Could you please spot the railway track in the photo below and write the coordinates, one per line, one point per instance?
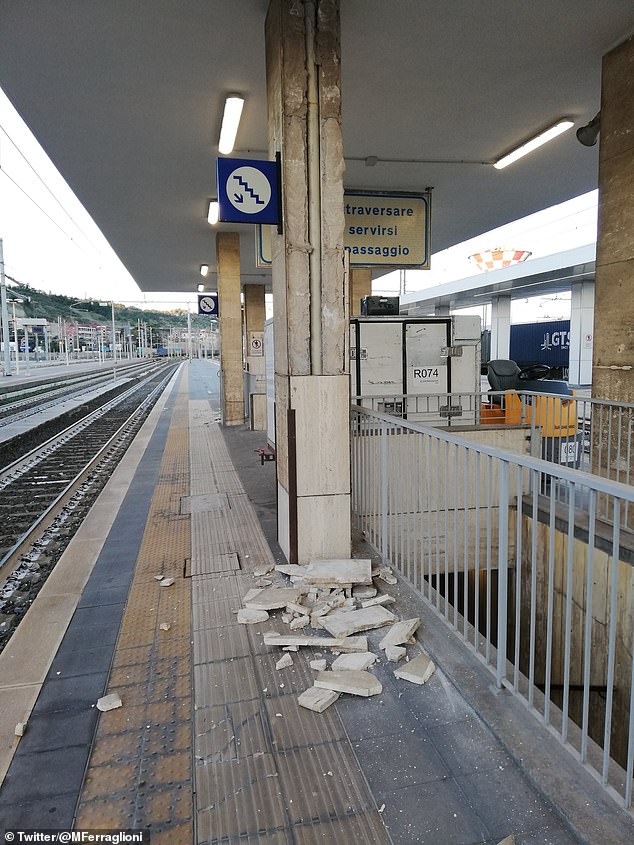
(46, 493)
(48, 394)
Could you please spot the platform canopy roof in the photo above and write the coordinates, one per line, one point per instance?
(126, 97)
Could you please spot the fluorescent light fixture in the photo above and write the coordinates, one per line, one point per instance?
(201, 288)
(214, 213)
(534, 143)
(204, 269)
(230, 123)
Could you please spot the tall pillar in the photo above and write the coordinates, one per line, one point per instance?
(613, 358)
(360, 286)
(581, 335)
(311, 376)
(254, 315)
(500, 327)
(228, 258)
(441, 311)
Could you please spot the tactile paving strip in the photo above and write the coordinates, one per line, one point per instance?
(267, 771)
(140, 770)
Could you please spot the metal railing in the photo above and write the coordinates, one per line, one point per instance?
(594, 435)
(512, 552)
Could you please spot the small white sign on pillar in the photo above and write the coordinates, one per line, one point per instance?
(256, 344)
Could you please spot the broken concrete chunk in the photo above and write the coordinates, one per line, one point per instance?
(158, 577)
(292, 607)
(318, 665)
(418, 671)
(20, 728)
(317, 699)
(261, 571)
(334, 573)
(290, 648)
(395, 652)
(346, 644)
(508, 840)
(400, 632)
(353, 662)
(263, 582)
(109, 702)
(354, 683)
(284, 662)
(299, 622)
(273, 598)
(291, 569)
(253, 592)
(166, 582)
(287, 617)
(165, 626)
(341, 623)
(384, 599)
(384, 573)
(364, 592)
(251, 617)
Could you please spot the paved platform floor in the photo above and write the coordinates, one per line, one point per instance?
(210, 745)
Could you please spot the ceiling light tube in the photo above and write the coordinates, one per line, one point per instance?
(533, 144)
(204, 269)
(230, 123)
(214, 213)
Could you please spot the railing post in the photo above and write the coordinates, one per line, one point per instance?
(384, 491)
(503, 571)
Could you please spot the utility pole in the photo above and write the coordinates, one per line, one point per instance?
(5, 315)
(189, 334)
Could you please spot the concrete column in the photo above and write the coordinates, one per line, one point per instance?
(613, 358)
(311, 376)
(360, 286)
(441, 311)
(228, 258)
(254, 314)
(581, 333)
(500, 327)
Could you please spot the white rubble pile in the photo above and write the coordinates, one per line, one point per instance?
(343, 599)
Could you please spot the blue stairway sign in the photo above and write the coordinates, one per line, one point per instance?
(248, 190)
(208, 304)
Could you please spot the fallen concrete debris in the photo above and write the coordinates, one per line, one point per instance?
(165, 626)
(159, 577)
(508, 840)
(317, 699)
(109, 702)
(364, 592)
(284, 662)
(384, 599)
(384, 573)
(333, 573)
(166, 582)
(395, 652)
(274, 598)
(318, 665)
(418, 671)
(299, 622)
(354, 683)
(353, 662)
(342, 623)
(263, 582)
(253, 592)
(294, 648)
(400, 633)
(345, 644)
(251, 617)
(299, 609)
(291, 569)
(262, 571)
(20, 729)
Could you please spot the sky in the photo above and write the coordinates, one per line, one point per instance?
(51, 242)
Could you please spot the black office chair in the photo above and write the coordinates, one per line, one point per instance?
(502, 375)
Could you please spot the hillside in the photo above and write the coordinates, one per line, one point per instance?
(37, 303)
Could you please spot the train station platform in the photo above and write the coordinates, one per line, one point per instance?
(209, 744)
